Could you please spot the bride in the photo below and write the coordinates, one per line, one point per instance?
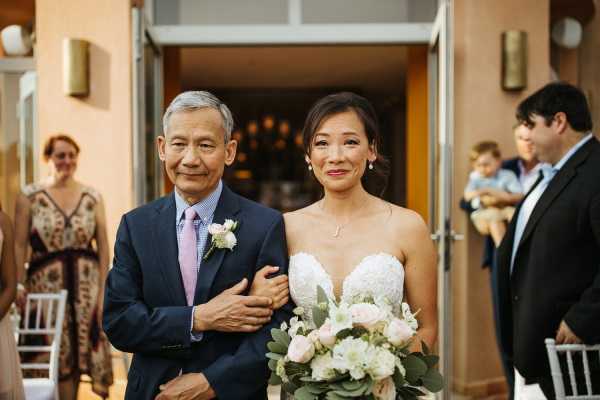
(351, 242)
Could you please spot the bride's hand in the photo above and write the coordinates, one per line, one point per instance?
(275, 288)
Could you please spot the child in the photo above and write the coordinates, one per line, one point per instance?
(491, 190)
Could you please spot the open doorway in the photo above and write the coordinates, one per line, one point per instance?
(271, 88)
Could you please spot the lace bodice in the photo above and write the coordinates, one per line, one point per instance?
(377, 276)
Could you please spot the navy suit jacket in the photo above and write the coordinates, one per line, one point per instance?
(145, 309)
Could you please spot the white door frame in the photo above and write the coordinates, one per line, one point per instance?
(441, 140)
(28, 89)
(141, 36)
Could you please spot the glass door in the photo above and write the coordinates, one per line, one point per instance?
(440, 181)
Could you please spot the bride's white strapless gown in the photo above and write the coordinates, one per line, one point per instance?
(376, 276)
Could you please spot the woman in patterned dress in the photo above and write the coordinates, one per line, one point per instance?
(62, 221)
(11, 381)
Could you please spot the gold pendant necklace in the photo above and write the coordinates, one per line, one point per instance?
(337, 231)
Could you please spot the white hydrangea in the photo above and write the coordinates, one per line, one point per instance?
(350, 355)
(381, 363)
(322, 367)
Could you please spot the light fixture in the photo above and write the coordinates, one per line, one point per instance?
(75, 67)
(16, 40)
(567, 32)
(514, 60)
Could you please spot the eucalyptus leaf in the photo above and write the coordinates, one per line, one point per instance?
(351, 385)
(399, 380)
(433, 380)
(272, 365)
(431, 360)
(321, 295)
(274, 379)
(304, 394)
(335, 396)
(415, 368)
(274, 356)
(316, 389)
(319, 316)
(289, 387)
(281, 337)
(276, 347)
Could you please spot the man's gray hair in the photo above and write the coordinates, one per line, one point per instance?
(194, 100)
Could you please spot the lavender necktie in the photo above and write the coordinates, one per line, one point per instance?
(188, 255)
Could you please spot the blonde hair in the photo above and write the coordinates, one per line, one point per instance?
(487, 146)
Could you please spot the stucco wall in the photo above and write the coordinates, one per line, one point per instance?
(100, 122)
(484, 111)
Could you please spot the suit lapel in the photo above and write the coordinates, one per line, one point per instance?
(227, 208)
(165, 244)
(556, 186)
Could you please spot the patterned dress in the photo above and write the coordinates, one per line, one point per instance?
(11, 381)
(63, 257)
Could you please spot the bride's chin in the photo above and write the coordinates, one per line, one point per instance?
(339, 186)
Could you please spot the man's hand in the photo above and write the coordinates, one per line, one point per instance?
(187, 387)
(565, 335)
(276, 288)
(232, 312)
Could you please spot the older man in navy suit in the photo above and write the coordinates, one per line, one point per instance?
(177, 295)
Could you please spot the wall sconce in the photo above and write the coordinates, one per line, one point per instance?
(76, 67)
(16, 40)
(514, 60)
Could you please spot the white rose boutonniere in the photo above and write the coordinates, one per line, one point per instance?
(222, 236)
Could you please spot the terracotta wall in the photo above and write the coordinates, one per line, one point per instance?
(484, 111)
(589, 65)
(417, 150)
(100, 122)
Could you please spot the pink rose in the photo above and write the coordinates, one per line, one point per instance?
(366, 315)
(398, 332)
(326, 335)
(301, 349)
(385, 389)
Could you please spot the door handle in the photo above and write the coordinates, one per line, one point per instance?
(453, 235)
(456, 236)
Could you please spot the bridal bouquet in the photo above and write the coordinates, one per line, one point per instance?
(351, 351)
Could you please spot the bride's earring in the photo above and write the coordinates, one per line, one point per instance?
(309, 167)
(371, 165)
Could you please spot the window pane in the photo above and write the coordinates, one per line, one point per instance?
(220, 12)
(360, 11)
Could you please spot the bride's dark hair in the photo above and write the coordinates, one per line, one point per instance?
(375, 180)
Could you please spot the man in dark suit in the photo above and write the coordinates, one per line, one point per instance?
(549, 260)
(175, 296)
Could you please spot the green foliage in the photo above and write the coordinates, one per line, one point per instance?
(274, 356)
(281, 337)
(272, 365)
(276, 347)
(319, 316)
(433, 380)
(274, 379)
(415, 368)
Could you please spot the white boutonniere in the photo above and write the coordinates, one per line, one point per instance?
(222, 236)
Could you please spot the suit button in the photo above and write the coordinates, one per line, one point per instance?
(516, 298)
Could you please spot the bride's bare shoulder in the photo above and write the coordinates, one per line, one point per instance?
(298, 220)
(405, 219)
